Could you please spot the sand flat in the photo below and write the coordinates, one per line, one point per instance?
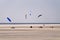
(31, 34)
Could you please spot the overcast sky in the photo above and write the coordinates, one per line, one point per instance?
(17, 9)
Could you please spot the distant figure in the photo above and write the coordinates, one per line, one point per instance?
(30, 26)
(39, 15)
(9, 19)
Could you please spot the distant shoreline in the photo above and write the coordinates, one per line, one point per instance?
(29, 23)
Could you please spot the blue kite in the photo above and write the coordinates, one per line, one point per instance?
(9, 19)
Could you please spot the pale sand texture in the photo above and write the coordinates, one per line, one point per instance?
(24, 32)
(31, 34)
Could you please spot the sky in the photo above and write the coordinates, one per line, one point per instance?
(27, 11)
